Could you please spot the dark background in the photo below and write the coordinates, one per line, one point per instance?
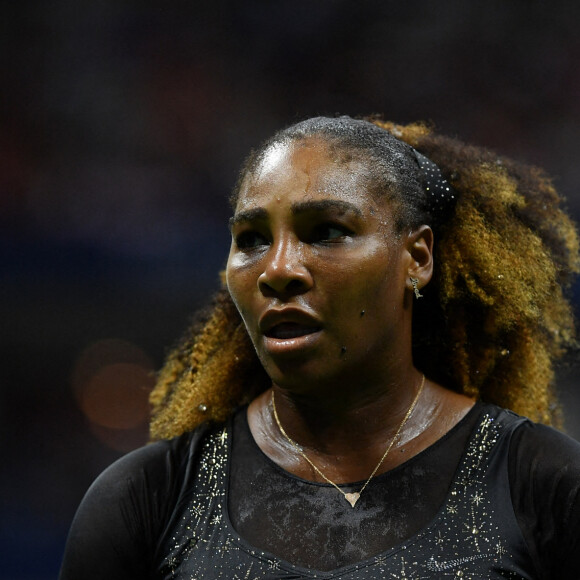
(122, 125)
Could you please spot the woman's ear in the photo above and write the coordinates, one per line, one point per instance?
(420, 257)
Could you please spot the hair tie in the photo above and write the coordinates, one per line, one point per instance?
(441, 196)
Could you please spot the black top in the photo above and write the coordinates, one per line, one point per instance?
(496, 497)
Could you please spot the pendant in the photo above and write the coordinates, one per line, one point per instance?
(352, 498)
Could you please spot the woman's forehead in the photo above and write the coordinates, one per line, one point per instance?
(310, 166)
(302, 153)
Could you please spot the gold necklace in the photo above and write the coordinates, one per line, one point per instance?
(351, 498)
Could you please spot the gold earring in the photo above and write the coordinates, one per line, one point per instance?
(415, 284)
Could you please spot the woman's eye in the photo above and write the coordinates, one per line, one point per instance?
(249, 240)
(329, 232)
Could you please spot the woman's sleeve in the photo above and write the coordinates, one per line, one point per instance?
(115, 531)
(545, 488)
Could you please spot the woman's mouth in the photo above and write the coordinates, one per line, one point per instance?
(289, 330)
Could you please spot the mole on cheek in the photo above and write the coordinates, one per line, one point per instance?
(342, 351)
(362, 313)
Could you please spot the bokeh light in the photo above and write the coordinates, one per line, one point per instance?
(111, 382)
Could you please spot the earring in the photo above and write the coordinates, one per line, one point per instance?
(415, 284)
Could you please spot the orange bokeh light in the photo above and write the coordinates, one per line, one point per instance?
(111, 382)
(116, 397)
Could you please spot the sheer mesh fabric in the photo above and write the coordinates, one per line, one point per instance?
(312, 525)
(126, 524)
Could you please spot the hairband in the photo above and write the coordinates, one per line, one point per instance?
(441, 197)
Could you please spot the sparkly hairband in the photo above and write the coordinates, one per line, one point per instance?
(441, 197)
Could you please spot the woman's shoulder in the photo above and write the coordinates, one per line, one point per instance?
(155, 463)
(544, 475)
(536, 453)
(525, 431)
(119, 522)
(145, 483)
(544, 449)
(530, 437)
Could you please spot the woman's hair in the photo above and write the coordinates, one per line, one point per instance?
(493, 319)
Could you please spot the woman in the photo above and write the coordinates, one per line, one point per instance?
(393, 284)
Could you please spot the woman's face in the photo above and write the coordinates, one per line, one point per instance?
(316, 268)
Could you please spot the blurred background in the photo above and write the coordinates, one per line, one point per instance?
(122, 125)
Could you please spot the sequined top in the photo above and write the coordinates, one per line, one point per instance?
(174, 523)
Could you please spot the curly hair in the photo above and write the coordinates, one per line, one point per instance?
(494, 318)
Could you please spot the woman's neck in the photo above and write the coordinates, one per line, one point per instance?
(346, 438)
(339, 418)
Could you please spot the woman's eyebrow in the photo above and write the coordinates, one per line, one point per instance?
(248, 216)
(324, 205)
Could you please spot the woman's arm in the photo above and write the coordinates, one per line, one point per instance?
(117, 529)
(545, 488)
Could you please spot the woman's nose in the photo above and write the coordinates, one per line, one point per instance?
(284, 270)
